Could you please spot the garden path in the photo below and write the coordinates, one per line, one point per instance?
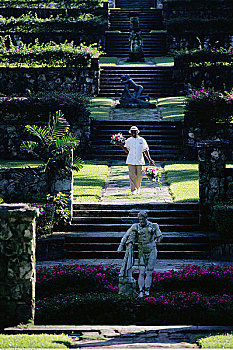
(117, 188)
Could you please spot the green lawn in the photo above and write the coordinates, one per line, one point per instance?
(108, 61)
(183, 180)
(19, 163)
(100, 108)
(220, 341)
(172, 108)
(164, 61)
(89, 181)
(32, 341)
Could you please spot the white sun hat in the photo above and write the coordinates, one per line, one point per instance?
(133, 128)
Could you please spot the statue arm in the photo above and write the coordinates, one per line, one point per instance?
(158, 234)
(129, 237)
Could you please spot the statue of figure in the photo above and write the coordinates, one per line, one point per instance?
(147, 234)
(135, 40)
(129, 83)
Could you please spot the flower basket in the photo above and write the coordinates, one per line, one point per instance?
(153, 174)
(118, 139)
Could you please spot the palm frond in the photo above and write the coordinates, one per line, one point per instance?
(60, 126)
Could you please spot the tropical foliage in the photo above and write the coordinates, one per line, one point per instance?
(67, 4)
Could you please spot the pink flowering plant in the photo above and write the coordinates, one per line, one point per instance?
(152, 173)
(117, 139)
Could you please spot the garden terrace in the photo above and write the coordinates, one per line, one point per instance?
(69, 4)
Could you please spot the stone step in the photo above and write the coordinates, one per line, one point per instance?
(115, 255)
(124, 227)
(142, 123)
(130, 220)
(139, 206)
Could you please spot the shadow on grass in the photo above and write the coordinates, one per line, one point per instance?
(181, 175)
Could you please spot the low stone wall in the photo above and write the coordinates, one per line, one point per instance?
(217, 77)
(50, 248)
(20, 80)
(17, 264)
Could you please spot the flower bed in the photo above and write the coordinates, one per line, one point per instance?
(46, 54)
(88, 295)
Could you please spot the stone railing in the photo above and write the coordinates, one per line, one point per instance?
(17, 264)
(20, 80)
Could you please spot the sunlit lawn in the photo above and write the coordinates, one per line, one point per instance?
(19, 163)
(172, 108)
(164, 61)
(100, 108)
(183, 180)
(33, 341)
(89, 181)
(220, 341)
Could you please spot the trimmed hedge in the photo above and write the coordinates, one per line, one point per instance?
(222, 219)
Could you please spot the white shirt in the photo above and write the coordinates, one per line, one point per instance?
(136, 146)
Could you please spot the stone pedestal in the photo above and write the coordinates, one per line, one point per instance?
(17, 264)
(127, 286)
(211, 155)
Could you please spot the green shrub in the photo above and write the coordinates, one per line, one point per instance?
(204, 57)
(46, 54)
(37, 106)
(67, 4)
(208, 105)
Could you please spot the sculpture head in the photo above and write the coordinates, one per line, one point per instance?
(142, 217)
(125, 78)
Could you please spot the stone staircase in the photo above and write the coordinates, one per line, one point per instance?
(97, 229)
(132, 4)
(164, 139)
(157, 81)
(117, 44)
(149, 19)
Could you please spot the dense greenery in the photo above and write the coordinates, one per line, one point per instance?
(204, 57)
(208, 105)
(35, 341)
(193, 294)
(37, 106)
(29, 23)
(199, 25)
(222, 219)
(46, 54)
(67, 4)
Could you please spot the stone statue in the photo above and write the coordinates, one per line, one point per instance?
(136, 98)
(146, 234)
(135, 39)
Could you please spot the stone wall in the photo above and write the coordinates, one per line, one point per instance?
(19, 80)
(17, 264)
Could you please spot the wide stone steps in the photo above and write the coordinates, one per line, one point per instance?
(157, 81)
(164, 139)
(97, 229)
(134, 4)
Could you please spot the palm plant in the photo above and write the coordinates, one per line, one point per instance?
(54, 145)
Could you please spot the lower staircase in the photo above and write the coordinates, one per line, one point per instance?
(97, 229)
(157, 81)
(164, 139)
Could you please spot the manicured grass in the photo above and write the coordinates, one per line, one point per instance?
(100, 108)
(220, 341)
(172, 108)
(19, 163)
(164, 61)
(33, 341)
(89, 181)
(108, 61)
(183, 180)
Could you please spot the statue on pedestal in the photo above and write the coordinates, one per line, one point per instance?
(135, 40)
(136, 98)
(147, 234)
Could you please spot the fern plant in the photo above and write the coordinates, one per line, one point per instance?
(54, 145)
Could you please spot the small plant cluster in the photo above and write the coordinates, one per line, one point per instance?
(194, 294)
(210, 105)
(153, 174)
(38, 106)
(117, 139)
(67, 4)
(199, 25)
(52, 214)
(204, 56)
(48, 54)
(30, 23)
